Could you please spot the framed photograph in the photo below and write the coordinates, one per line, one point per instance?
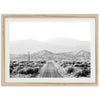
(49, 49)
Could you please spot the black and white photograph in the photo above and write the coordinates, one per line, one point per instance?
(50, 49)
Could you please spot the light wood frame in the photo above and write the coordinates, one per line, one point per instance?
(49, 15)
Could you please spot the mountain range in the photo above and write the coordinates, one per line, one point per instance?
(56, 45)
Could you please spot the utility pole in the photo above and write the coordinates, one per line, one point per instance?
(28, 56)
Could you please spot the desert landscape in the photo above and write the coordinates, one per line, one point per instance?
(56, 58)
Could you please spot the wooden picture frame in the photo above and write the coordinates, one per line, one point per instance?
(4, 16)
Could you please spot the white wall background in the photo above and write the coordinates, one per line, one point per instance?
(49, 92)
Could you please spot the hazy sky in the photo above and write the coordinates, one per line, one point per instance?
(44, 29)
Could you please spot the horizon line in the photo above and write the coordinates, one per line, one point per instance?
(49, 39)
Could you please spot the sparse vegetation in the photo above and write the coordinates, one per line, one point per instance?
(75, 68)
(83, 73)
(25, 69)
(69, 64)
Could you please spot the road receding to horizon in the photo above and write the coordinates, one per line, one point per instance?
(49, 71)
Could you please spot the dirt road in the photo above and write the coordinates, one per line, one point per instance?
(49, 70)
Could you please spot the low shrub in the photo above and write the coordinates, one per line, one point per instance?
(29, 71)
(16, 69)
(70, 70)
(83, 73)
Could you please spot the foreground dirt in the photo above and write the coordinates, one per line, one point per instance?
(49, 70)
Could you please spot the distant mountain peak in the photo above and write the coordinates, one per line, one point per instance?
(82, 52)
(63, 39)
(56, 45)
(45, 52)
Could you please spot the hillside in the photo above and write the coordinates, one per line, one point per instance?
(47, 55)
(57, 45)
